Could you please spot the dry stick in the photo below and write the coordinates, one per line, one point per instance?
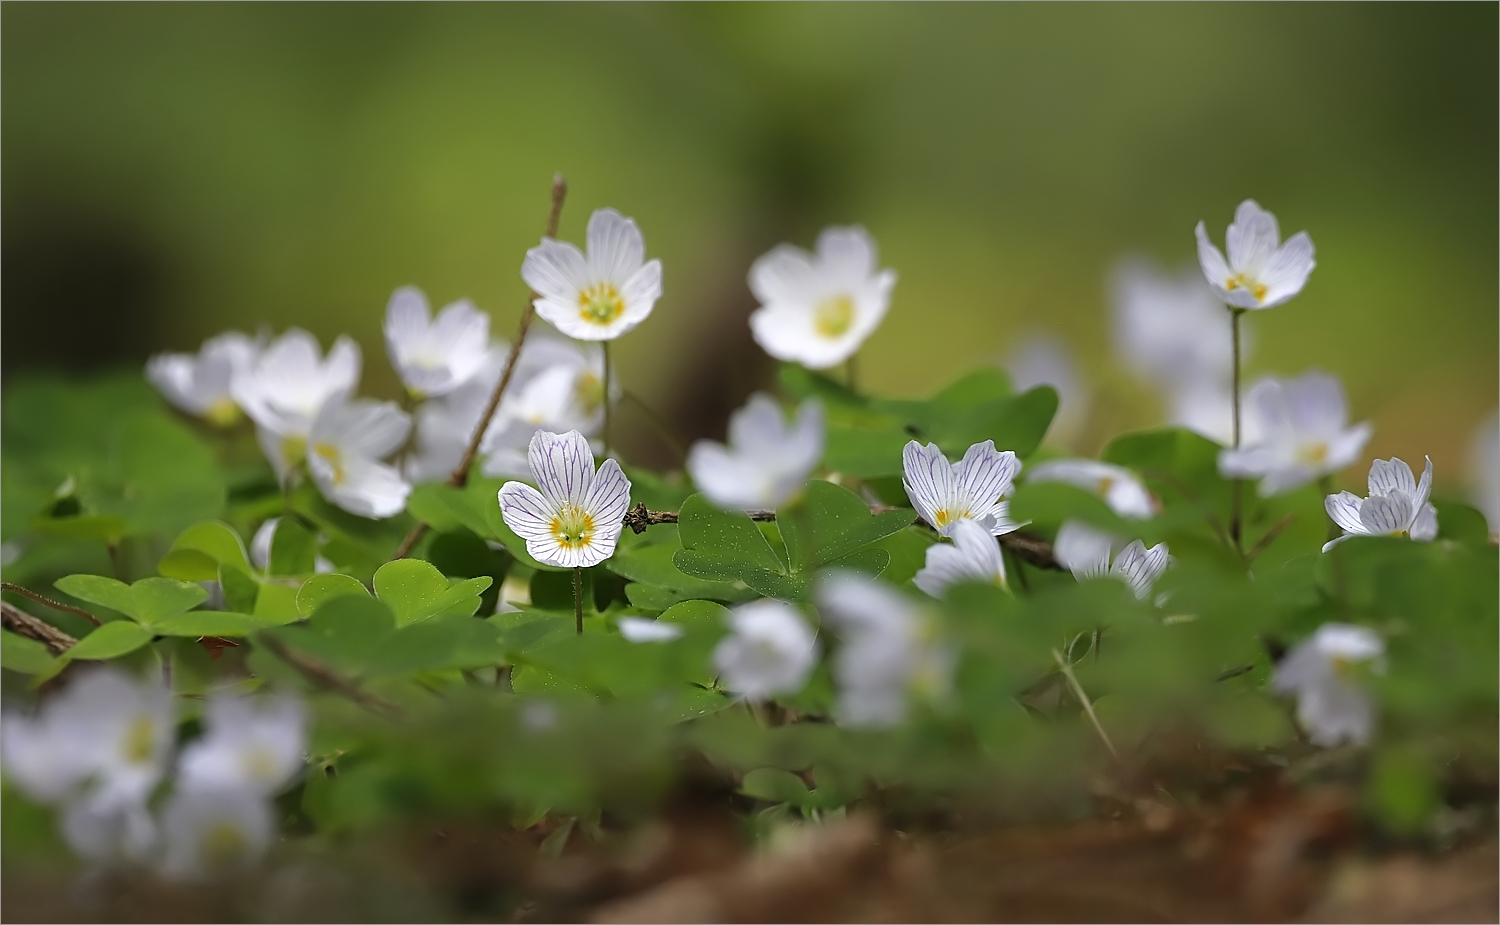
(24, 624)
(1083, 700)
(323, 676)
(1032, 549)
(1235, 484)
(49, 602)
(1270, 536)
(460, 476)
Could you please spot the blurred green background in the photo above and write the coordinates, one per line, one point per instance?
(171, 170)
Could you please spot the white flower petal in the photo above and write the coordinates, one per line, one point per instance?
(562, 465)
(608, 499)
(847, 255)
(557, 271)
(527, 512)
(1288, 270)
(1252, 239)
(770, 651)
(1386, 515)
(639, 629)
(363, 486)
(974, 556)
(1424, 487)
(1391, 476)
(1215, 269)
(1424, 526)
(1140, 567)
(928, 479)
(640, 291)
(616, 248)
(1082, 549)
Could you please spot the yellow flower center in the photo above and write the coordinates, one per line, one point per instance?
(140, 740)
(944, 517)
(588, 391)
(1314, 454)
(1105, 484)
(330, 454)
(600, 304)
(1238, 281)
(223, 412)
(833, 316)
(293, 449)
(261, 764)
(224, 845)
(572, 526)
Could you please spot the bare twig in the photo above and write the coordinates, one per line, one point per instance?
(1083, 700)
(49, 602)
(1270, 536)
(460, 476)
(326, 678)
(1032, 549)
(1234, 672)
(24, 624)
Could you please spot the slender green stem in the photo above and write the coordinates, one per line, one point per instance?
(1084, 701)
(578, 597)
(851, 369)
(1235, 485)
(605, 345)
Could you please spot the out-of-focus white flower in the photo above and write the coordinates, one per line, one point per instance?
(886, 653)
(576, 517)
(1484, 470)
(434, 356)
(1303, 433)
(260, 549)
(977, 487)
(200, 383)
(558, 386)
(1206, 409)
(817, 309)
(212, 833)
(109, 825)
(287, 384)
(1261, 271)
(1169, 328)
(1320, 671)
(771, 650)
(1086, 552)
(639, 629)
(255, 745)
(1397, 505)
(344, 448)
(1125, 494)
(599, 296)
(1041, 359)
(767, 460)
(973, 556)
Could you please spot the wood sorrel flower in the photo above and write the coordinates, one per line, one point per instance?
(1321, 671)
(1261, 271)
(817, 309)
(1300, 431)
(1086, 552)
(287, 385)
(345, 446)
(200, 383)
(977, 487)
(771, 650)
(254, 745)
(214, 832)
(973, 556)
(767, 460)
(434, 356)
(576, 517)
(1119, 487)
(1397, 505)
(599, 296)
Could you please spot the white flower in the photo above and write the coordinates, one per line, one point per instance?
(252, 745)
(576, 517)
(1125, 494)
(1169, 328)
(599, 296)
(1484, 470)
(886, 649)
(973, 556)
(1206, 409)
(558, 386)
(104, 729)
(344, 448)
(977, 487)
(771, 650)
(1261, 272)
(287, 384)
(818, 309)
(260, 549)
(434, 356)
(1331, 707)
(1397, 505)
(639, 629)
(109, 825)
(1041, 359)
(200, 383)
(214, 832)
(1302, 433)
(1086, 551)
(767, 461)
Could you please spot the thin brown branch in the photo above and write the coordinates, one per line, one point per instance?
(49, 602)
(1270, 537)
(460, 476)
(1032, 549)
(322, 676)
(24, 624)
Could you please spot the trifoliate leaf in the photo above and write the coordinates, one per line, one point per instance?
(110, 641)
(147, 600)
(199, 550)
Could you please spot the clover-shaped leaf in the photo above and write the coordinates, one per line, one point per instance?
(415, 590)
(147, 601)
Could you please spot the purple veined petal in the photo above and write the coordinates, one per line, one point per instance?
(1343, 508)
(1424, 525)
(1424, 487)
(1391, 476)
(608, 499)
(562, 464)
(927, 478)
(526, 511)
(985, 476)
(1386, 515)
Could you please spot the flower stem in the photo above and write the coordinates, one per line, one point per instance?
(1235, 484)
(1084, 701)
(851, 369)
(578, 596)
(605, 345)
